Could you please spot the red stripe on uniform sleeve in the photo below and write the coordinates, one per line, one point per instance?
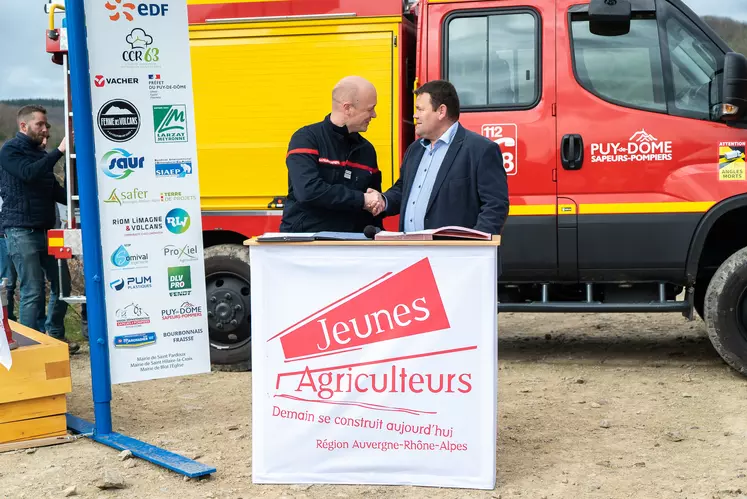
(362, 167)
(302, 151)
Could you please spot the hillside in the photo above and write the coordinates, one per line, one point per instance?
(733, 32)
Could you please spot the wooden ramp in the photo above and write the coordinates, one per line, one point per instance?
(32, 393)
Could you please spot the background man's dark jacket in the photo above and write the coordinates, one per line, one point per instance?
(28, 186)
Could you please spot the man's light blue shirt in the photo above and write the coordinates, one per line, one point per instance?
(425, 177)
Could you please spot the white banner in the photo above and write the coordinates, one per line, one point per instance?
(6, 359)
(149, 194)
(374, 364)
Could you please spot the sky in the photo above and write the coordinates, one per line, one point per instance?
(27, 71)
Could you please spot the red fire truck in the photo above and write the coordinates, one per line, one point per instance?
(621, 122)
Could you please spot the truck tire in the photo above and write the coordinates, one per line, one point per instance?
(227, 273)
(725, 311)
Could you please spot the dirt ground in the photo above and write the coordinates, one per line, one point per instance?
(590, 406)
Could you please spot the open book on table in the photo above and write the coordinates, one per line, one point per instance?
(450, 232)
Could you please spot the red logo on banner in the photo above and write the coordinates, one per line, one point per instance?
(99, 80)
(394, 306)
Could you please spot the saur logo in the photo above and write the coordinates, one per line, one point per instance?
(120, 163)
(178, 221)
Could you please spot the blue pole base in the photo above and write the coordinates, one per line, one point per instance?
(155, 455)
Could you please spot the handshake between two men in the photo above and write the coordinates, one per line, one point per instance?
(449, 175)
(374, 202)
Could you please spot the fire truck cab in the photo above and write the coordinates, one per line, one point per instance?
(622, 127)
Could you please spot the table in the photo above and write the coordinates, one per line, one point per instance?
(374, 362)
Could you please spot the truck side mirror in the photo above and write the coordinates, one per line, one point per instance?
(610, 17)
(734, 101)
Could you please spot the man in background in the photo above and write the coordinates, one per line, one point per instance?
(332, 168)
(30, 191)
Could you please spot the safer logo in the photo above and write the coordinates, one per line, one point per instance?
(175, 168)
(170, 123)
(120, 163)
(178, 221)
(127, 197)
(118, 120)
(180, 280)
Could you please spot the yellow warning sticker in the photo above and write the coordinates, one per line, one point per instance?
(731, 161)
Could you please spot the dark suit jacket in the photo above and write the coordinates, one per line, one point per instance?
(471, 189)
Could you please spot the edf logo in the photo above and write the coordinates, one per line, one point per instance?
(178, 221)
(123, 9)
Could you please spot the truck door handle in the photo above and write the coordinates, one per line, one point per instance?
(572, 151)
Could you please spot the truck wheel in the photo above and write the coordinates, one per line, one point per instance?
(726, 311)
(227, 273)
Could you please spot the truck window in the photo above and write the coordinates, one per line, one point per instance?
(694, 60)
(492, 59)
(624, 70)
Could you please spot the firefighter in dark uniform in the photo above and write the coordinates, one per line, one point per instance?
(332, 170)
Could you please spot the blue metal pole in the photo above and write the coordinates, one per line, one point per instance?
(89, 214)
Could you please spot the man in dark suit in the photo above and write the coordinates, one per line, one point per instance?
(451, 175)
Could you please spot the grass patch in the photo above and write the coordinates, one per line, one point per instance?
(73, 324)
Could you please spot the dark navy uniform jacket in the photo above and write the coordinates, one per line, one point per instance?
(329, 170)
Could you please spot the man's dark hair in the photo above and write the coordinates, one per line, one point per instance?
(442, 92)
(24, 114)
